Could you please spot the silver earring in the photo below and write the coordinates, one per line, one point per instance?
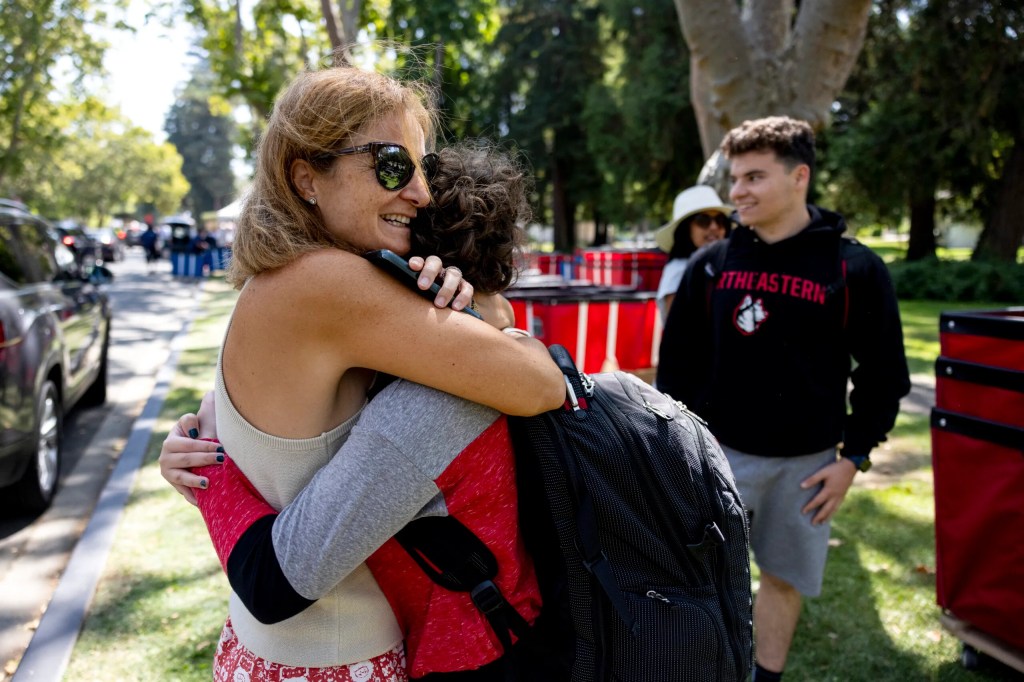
(312, 201)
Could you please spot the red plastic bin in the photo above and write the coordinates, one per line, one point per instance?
(979, 522)
(638, 269)
(977, 430)
(604, 329)
(988, 337)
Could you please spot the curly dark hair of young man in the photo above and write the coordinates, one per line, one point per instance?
(477, 218)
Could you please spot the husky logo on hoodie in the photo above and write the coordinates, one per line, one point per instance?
(749, 315)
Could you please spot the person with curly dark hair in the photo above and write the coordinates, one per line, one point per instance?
(415, 452)
(480, 203)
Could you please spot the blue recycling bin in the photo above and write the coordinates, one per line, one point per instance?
(187, 264)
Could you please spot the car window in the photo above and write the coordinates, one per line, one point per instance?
(9, 261)
(27, 251)
(41, 264)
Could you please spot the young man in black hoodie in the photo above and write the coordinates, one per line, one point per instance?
(759, 342)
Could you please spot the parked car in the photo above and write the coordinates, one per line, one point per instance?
(54, 336)
(81, 245)
(132, 230)
(111, 248)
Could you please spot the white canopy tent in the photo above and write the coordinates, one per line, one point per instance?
(231, 211)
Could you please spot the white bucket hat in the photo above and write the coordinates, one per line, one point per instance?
(689, 201)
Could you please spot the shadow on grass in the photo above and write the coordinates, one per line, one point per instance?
(196, 362)
(143, 612)
(876, 619)
(841, 634)
(131, 605)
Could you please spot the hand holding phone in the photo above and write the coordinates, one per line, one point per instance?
(398, 267)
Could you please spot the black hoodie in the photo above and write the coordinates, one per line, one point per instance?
(760, 337)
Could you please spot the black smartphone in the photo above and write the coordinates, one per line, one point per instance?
(398, 267)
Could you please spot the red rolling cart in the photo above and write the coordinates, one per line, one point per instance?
(978, 465)
(638, 269)
(605, 328)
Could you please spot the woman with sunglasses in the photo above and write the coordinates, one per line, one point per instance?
(340, 171)
(699, 217)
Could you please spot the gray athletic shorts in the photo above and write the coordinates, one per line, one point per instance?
(785, 542)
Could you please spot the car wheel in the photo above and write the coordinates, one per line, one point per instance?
(34, 492)
(96, 394)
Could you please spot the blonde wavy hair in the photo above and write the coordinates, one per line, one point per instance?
(319, 111)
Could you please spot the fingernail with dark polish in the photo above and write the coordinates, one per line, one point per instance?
(203, 483)
(220, 449)
(193, 433)
(220, 458)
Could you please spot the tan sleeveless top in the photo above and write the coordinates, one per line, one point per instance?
(354, 621)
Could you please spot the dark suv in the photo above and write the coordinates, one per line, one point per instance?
(84, 248)
(54, 334)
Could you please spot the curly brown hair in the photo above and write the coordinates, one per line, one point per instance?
(476, 219)
(791, 139)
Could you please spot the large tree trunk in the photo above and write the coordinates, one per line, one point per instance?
(1004, 231)
(562, 208)
(600, 230)
(759, 60)
(922, 224)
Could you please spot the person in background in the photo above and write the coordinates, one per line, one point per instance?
(759, 343)
(699, 217)
(342, 168)
(150, 242)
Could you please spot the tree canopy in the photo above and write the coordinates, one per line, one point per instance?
(200, 126)
(616, 103)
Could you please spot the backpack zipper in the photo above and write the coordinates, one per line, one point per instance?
(678, 603)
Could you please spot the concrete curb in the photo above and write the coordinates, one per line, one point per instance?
(49, 652)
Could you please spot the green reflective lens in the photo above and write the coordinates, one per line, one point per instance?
(394, 167)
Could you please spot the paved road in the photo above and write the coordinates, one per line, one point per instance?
(149, 310)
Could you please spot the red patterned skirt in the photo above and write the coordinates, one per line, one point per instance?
(234, 663)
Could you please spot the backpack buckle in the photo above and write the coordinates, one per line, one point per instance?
(487, 597)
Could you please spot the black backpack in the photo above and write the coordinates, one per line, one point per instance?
(631, 514)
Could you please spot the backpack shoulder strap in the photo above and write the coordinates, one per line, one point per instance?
(594, 560)
(844, 242)
(714, 263)
(452, 556)
(713, 266)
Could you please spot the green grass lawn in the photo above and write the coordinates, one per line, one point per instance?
(161, 603)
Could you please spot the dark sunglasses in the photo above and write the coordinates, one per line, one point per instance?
(392, 163)
(703, 220)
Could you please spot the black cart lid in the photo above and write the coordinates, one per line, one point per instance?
(1004, 323)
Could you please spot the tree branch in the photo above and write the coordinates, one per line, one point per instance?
(828, 37)
(720, 63)
(331, 23)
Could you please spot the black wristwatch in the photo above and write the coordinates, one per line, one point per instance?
(862, 462)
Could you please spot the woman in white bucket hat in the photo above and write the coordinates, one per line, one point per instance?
(699, 217)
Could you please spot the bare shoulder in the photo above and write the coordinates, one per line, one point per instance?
(311, 273)
(322, 280)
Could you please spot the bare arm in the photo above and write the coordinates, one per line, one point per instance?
(346, 313)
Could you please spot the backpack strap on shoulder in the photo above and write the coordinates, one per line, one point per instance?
(841, 281)
(714, 265)
(594, 560)
(713, 268)
(455, 558)
(575, 391)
